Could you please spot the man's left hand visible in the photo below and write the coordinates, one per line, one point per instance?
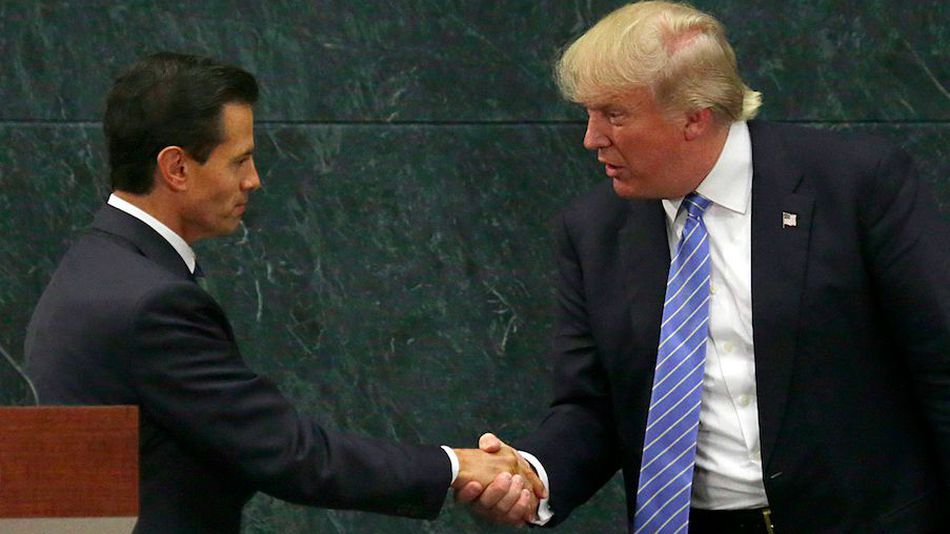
(506, 500)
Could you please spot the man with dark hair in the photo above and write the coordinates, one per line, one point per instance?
(123, 321)
(753, 319)
(165, 100)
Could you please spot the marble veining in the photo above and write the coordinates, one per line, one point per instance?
(392, 276)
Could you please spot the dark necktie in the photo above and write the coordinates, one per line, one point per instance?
(199, 276)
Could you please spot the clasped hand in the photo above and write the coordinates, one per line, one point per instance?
(498, 483)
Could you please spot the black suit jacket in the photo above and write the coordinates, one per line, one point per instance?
(851, 327)
(123, 322)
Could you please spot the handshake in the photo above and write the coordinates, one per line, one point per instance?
(498, 483)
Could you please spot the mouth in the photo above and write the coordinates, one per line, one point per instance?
(611, 170)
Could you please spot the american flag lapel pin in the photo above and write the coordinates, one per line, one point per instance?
(789, 220)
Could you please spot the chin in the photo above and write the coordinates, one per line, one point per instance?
(625, 190)
(226, 229)
(637, 191)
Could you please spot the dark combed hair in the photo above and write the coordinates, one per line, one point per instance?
(165, 100)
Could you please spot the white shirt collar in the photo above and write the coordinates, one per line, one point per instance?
(186, 252)
(729, 183)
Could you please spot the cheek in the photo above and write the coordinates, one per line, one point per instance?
(226, 184)
(214, 198)
(633, 151)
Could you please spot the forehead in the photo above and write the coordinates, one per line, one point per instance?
(631, 98)
(237, 123)
(237, 117)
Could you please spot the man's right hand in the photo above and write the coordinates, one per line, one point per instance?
(510, 496)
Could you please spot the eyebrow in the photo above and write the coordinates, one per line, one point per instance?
(248, 152)
(610, 108)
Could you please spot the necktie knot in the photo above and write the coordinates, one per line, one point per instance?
(695, 205)
(199, 277)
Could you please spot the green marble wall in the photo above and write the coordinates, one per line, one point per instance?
(392, 274)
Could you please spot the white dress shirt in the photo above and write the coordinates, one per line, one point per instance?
(184, 250)
(728, 472)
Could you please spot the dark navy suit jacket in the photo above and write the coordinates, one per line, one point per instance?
(123, 322)
(851, 326)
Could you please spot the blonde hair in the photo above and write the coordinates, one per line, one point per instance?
(679, 53)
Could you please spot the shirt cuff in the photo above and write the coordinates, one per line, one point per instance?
(544, 507)
(454, 459)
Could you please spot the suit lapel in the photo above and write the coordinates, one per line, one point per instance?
(645, 253)
(147, 241)
(781, 228)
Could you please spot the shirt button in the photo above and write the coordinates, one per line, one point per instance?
(712, 288)
(728, 347)
(744, 400)
(757, 457)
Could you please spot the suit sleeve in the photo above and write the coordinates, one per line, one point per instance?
(191, 379)
(576, 442)
(908, 252)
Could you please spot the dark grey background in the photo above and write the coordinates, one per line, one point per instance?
(392, 275)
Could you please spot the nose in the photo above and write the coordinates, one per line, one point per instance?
(594, 139)
(253, 180)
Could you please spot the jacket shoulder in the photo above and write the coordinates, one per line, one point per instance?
(825, 149)
(601, 211)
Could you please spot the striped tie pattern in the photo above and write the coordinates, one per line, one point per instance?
(669, 445)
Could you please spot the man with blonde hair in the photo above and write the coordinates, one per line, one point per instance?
(752, 320)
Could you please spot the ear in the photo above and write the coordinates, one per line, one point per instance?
(697, 123)
(170, 168)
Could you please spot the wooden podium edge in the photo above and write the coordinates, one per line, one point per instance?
(69, 461)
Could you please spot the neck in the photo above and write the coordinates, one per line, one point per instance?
(708, 152)
(153, 205)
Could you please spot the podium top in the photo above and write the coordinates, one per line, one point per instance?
(69, 461)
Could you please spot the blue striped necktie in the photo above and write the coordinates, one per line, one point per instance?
(669, 444)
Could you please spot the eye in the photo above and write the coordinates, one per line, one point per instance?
(615, 116)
